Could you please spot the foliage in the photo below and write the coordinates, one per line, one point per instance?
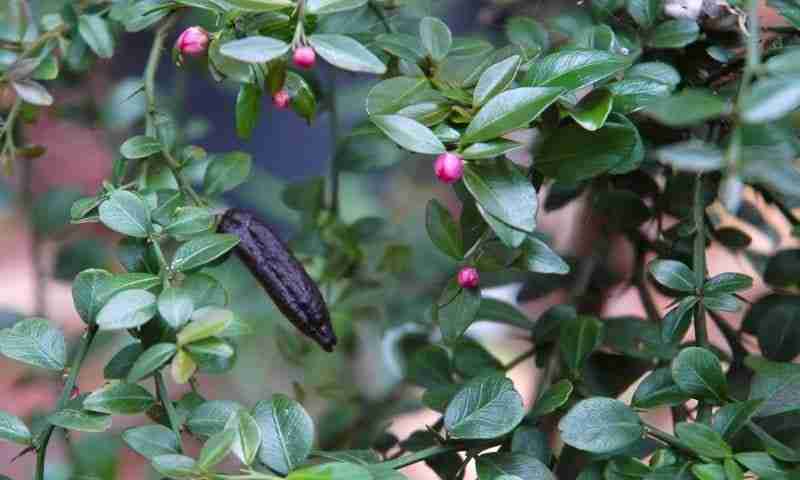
(639, 115)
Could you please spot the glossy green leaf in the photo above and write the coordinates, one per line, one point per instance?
(600, 425)
(455, 317)
(86, 293)
(151, 360)
(127, 309)
(226, 172)
(248, 108)
(202, 250)
(486, 407)
(409, 134)
(206, 322)
(254, 49)
(506, 466)
(34, 342)
(443, 230)
(140, 146)
(553, 398)
(770, 99)
(644, 12)
(677, 321)
(508, 111)
(496, 79)
(658, 389)
(538, 257)
(95, 32)
(211, 417)
(692, 156)
(703, 440)
(436, 38)
(672, 274)
(698, 372)
(287, 433)
(490, 149)
(175, 306)
(151, 441)
(346, 53)
(579, 337)
(126, 213)
(777, 384)
(216, 448)
(80, 420)
(326, 7)
(119, 399)
(730, 418)
(248, 436)
(674, 34)
(573, 69)
(12, 429)
(504, 192)
(689, 107)
(593, 110)
(175, 466)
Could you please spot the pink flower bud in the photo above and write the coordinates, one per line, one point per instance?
(449, 167)
(193, 41)
(281, 100)
(468, 277)
(305, 57)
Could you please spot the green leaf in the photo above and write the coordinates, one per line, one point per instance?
(151, 441)
(538, 257)
(140, 146)
(436, 38)
(86, 293)
(703, 440)
(698, 372)
(674, 34)
(730, 418)
(600, 425)
(226, 172)
(175, 466)
(303, 99)
(773, 446)
(95, 32)
(429, 367)
(554, 398)
(409, 134)
(326, 7)
(490, 149)
(770, 99)
(443, 230)
(206, 322)
(248, 436)
(248, 107)
(777, 384)
(692, 156)
(287, 433)
(504, 466)
(572, 154)
(216, 449)
(211, 417)
(672, 274)
(205, 290)
(119, 399)
(528, 34)
(151, 360)
(504, 192)
(255, 49)
(457, 315)
(593, 110)
(12, 429)
(580, 336)
(633, 94)
(508, 111)
(785, 63)
(656, 71)
(471, 359)
(723, 302)
(709, 471)
(35, 342)
(346, 53)
(484, 408)
(333, 471)
(121, 363)
(202, 250)
(502, 312)
(677, 321)
(175, 306)
(79, 420)
(401, 45)
(761, 464)
(687, 108)
(496, 79)
(126, 213)
(574, 69)
(126, 281)
(644, 12)
(127, 309)
(658, 389)
(392, 95)
(182, 367)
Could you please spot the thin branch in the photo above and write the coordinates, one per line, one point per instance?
(172, 415)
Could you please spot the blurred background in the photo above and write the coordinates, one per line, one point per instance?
(346, 391)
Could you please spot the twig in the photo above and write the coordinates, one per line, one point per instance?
(334, 126)
(699, 267)
(44, 438)
(172, 415)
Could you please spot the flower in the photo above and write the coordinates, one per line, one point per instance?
(193, 41)
(281, 99)
(305, 57)
(468, 277)
(449, 167)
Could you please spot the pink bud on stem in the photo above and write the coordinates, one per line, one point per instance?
(449, 167)
(193, 41)
(304, 57)
(468, 277)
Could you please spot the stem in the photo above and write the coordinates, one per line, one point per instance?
(172, 415)
(44, 438)
(425, 454)
(334, 143)
(699, 267)
(150, 94)
(667, 438)
(753, 44)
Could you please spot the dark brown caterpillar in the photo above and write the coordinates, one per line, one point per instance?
(281, 275)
